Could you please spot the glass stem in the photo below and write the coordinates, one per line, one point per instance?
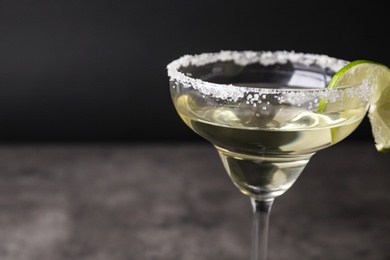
(261, 212)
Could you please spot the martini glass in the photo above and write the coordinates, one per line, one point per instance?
(266, 113)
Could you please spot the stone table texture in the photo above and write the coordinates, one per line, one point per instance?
(175, 201)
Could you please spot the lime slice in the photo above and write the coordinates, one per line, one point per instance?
(378, 76)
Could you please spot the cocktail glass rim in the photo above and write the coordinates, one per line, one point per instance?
(234, 93)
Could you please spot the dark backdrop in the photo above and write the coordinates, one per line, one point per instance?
(74, 71)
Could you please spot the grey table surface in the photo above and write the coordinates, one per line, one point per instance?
(175, 201)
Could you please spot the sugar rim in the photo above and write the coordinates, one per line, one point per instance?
(233, 92)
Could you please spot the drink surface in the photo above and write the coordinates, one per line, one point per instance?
(266, 128)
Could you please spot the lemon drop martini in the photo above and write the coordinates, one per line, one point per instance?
(267, 113)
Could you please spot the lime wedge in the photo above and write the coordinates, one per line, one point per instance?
(378, 76)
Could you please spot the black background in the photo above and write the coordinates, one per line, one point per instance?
(95, 71)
